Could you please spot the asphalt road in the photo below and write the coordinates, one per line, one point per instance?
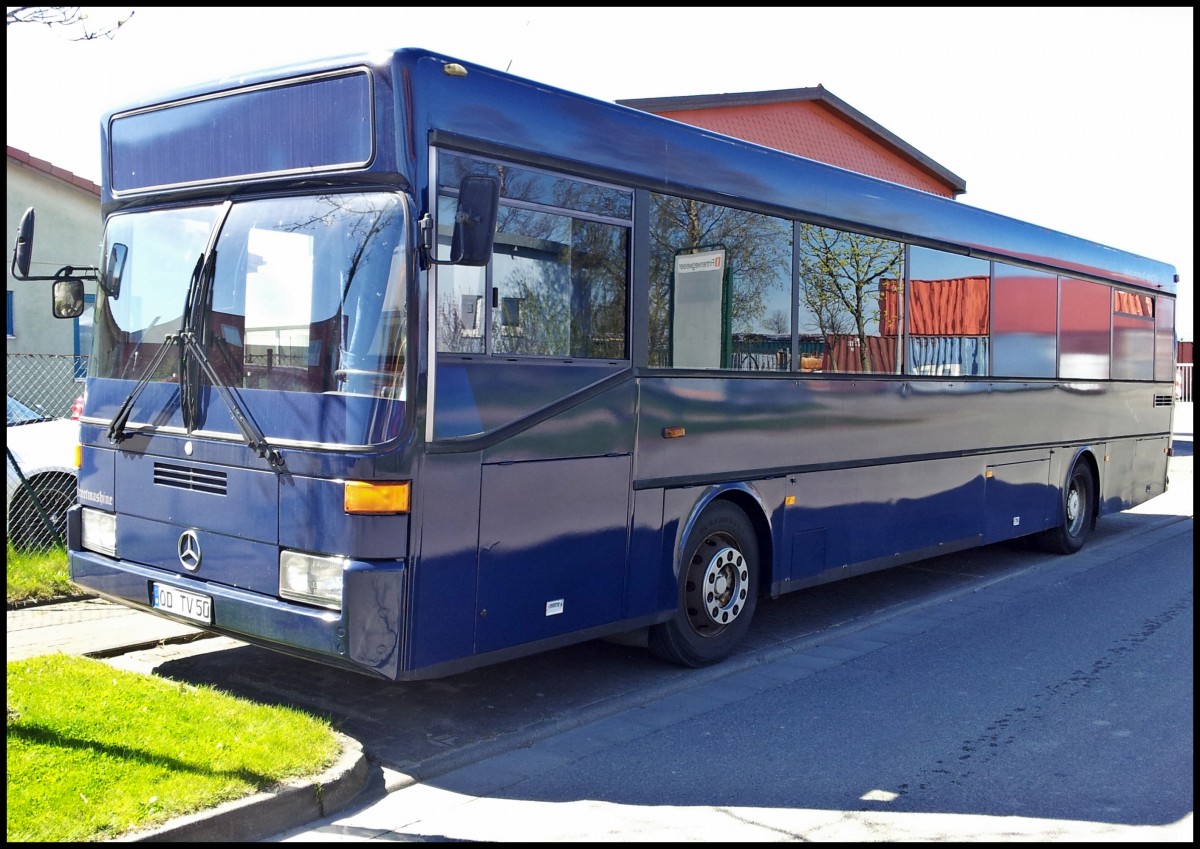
(998, 694)
(1053, 706)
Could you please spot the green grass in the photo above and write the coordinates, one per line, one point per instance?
(95, 752)
(38, 575)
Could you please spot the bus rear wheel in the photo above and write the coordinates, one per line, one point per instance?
(718, 590)
(1078, 513)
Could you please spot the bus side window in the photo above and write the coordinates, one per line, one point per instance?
(949, 314)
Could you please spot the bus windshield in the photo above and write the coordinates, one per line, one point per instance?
(299, 294)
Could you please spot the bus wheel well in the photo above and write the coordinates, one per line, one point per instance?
(762, 532)
(1090, 458)
(1078, 508)
(718, 588)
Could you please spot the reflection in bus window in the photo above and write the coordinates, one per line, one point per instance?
(738, 264)
(557, 285)
(1133, 336)
(949, 313)
(1024, 322)
(850, 301)
(1084, 338)
(1164, 338)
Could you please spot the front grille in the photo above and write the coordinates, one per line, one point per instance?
(185, 477)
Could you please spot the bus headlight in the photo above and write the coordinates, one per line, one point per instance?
(99, 531)
(311, 579)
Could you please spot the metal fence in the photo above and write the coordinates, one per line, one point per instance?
(1183, 382)
(41, 461)
(48, 383)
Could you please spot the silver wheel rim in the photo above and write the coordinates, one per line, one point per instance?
(1075, 508)
(716, 594)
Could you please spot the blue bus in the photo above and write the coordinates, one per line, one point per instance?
(408, 366)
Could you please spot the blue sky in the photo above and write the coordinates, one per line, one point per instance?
(1079, 120)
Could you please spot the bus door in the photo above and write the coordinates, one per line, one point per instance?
(532, 368)
(553, 536)
(528, 536)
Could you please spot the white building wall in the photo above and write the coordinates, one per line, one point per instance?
(68, 232)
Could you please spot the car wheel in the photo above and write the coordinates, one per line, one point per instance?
(28, 528)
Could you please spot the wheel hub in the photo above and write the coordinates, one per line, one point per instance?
(724, 586)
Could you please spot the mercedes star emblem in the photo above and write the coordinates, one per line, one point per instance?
(189, 550)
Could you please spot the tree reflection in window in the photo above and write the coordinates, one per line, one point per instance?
(850, 299)
(558, 282)
(758, 257)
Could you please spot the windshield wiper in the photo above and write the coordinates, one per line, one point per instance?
(116, 428)
(187, 342)
(250, 432)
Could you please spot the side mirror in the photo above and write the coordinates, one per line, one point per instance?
(114, 269)
(475, 220)
(68, 298)
(23, 249)
(23, 257)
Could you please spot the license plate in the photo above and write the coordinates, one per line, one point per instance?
(192, 606)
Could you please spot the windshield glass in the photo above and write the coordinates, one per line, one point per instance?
(301, 295)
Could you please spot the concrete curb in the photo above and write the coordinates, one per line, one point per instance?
(294, 803)
(25, 604)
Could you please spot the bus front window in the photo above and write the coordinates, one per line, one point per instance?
(308, 295)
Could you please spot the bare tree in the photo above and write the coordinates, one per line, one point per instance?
(840, 279)
(758, 249)
(777, 322)
(64, 16)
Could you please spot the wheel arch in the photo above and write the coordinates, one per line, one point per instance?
(24, 519)
(1085, 454)
(37, 479)
(750, 501)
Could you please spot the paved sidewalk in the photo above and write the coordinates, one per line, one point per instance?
(89, 626)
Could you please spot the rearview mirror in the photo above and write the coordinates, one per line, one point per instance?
(23, 249)
(114, 269)
(68, 298)
(475, 220)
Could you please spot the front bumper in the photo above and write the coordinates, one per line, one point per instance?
(365, 636)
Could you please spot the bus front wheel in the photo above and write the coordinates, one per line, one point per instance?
(1078, 513)
(718, 590)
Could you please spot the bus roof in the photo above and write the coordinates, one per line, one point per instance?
(494, 112)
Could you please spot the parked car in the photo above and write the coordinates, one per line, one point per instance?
(41, 471)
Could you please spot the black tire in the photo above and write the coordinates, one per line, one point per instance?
(718, 590)
(26, 528)
(1078, 513)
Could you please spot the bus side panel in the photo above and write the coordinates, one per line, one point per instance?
(1150, 468)
(650, 582)
(1135, 470)
(1019, 499)
(552, 543)
(1116, 476)
(444, 576)
(739, 428)
(851, 516)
